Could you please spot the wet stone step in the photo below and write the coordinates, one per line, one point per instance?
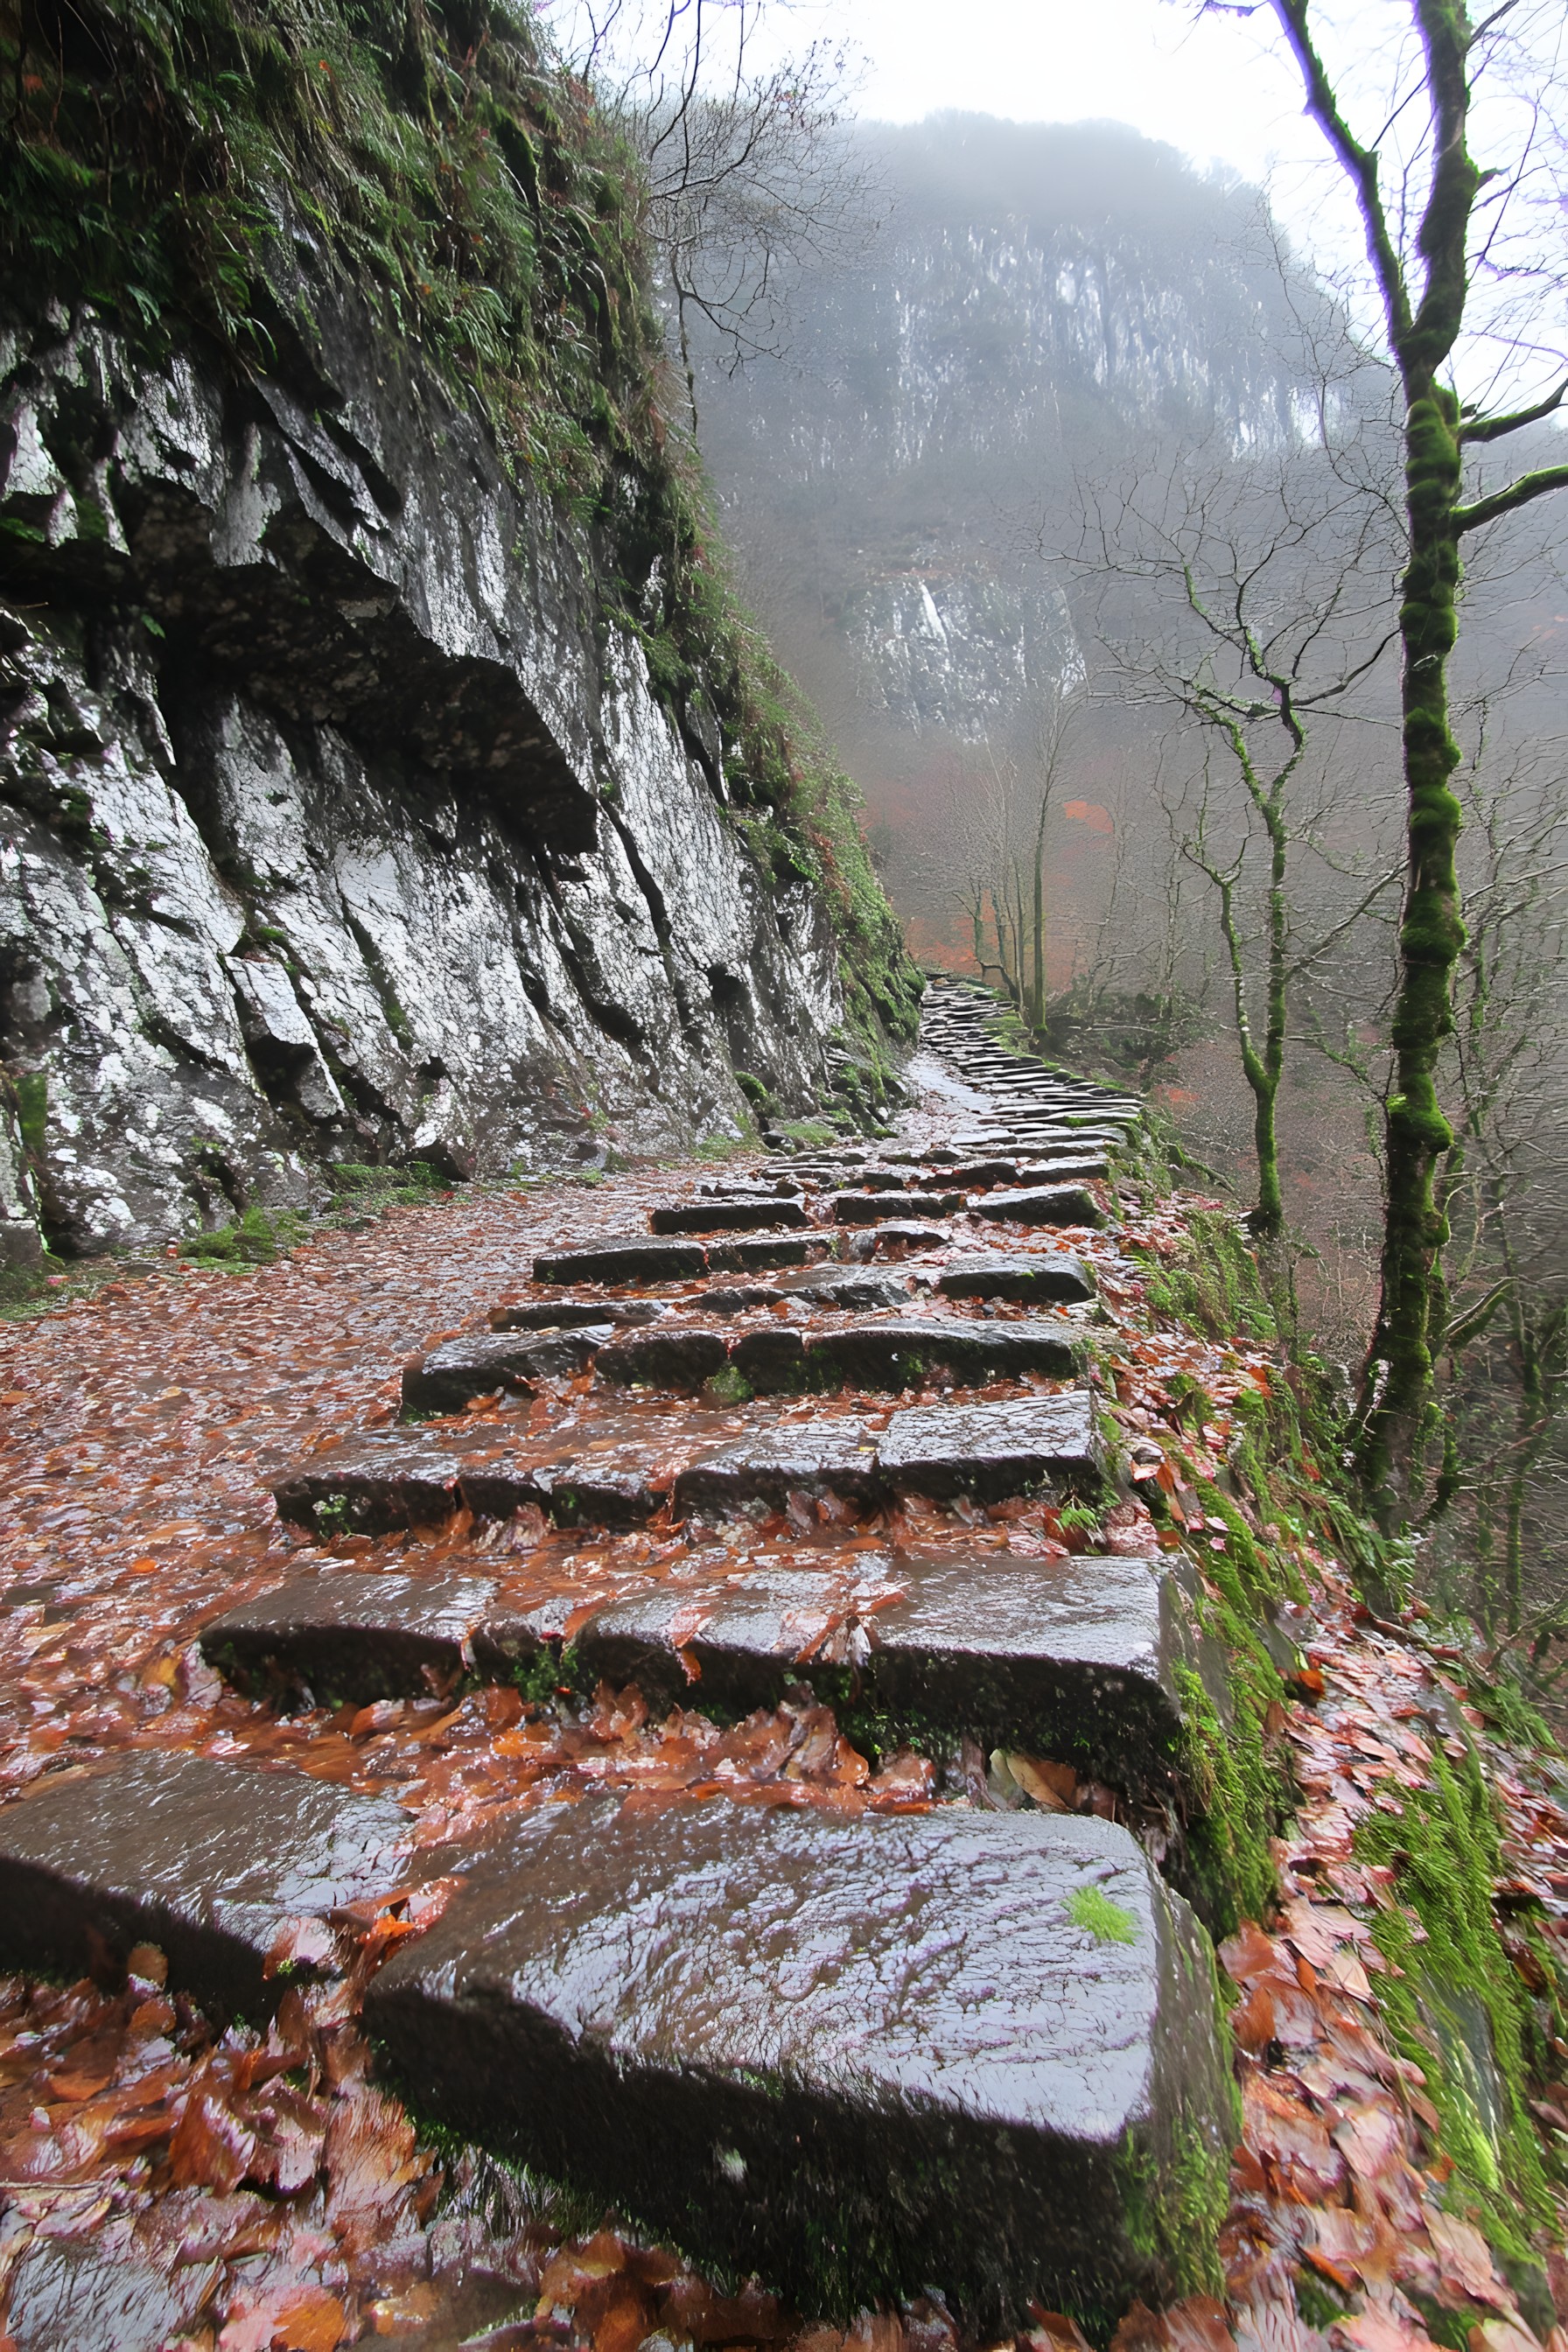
(1073, 1659)
(213, 1862)
(990, 1451)
(1055, 1204)
(652, 1258)
(849, 2054)
(479, 1363)
(872, 1208)
(901, 1234)
(835, 1457)
(728, 1216)
(892, 1355)
(349, 1635)
(994, 1451)
(1052, 1274)
(575, 1314)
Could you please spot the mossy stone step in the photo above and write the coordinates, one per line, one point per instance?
(854, 2055)
(213, 1862)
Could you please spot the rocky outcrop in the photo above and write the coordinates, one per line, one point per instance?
(340, 819)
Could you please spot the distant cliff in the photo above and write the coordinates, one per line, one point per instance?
(1037, 302)
(384, 774)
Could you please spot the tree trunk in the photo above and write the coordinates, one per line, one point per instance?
(1397, 1378)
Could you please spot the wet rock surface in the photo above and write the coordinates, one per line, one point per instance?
(446, 1379)
(1046, 1204)
(1057, 1277)
(783, 2037)
(213, 1863)
(344, 821)
(994, 1450)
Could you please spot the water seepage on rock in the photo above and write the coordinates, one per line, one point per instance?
(1075, 1659)
(853, 2055)
(367, 1489)
(832, 1457)
(626, 1257)
(1056, 1205)
(1049, 1275)
(478, 1362)
(103, 2295)
(212, 1862)
(350, 1635)
(728, 1216)
(992, 1451)
(667, 1359)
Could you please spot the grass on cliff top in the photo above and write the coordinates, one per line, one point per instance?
(159, 158)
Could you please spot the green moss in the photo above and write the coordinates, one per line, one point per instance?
(1457, 2007)
(255, 1239)
(1090, 1908)
(1214, 1283)
(32, 1110)
(1173, 2206)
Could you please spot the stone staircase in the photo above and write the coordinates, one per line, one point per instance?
(969, 2044)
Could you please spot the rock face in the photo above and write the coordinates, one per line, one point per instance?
(338, 818)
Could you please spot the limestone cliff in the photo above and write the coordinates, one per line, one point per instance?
(342, 819)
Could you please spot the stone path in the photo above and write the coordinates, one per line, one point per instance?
(969, 2045)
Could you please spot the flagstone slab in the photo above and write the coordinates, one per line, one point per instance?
(853, 2054)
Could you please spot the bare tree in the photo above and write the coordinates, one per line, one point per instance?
(1259, 606)
(745, 175)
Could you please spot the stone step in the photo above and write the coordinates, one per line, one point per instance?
(1031, 1277)
(213, 1862)
(479, 1363)
(1053, 1205)
(728, 1216)
(1074, 1659)
(643, 1257)
(872, 1208)
(855, 2055)
(411, 1480)
(575, 1314)
(781, 1358)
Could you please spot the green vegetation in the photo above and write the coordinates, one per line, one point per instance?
(254, 1239)
(179, 164)
(1458, 2006)
(1090, 1908)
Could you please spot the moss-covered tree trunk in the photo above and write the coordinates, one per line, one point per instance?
(1413, 1306)
(1424, 286)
